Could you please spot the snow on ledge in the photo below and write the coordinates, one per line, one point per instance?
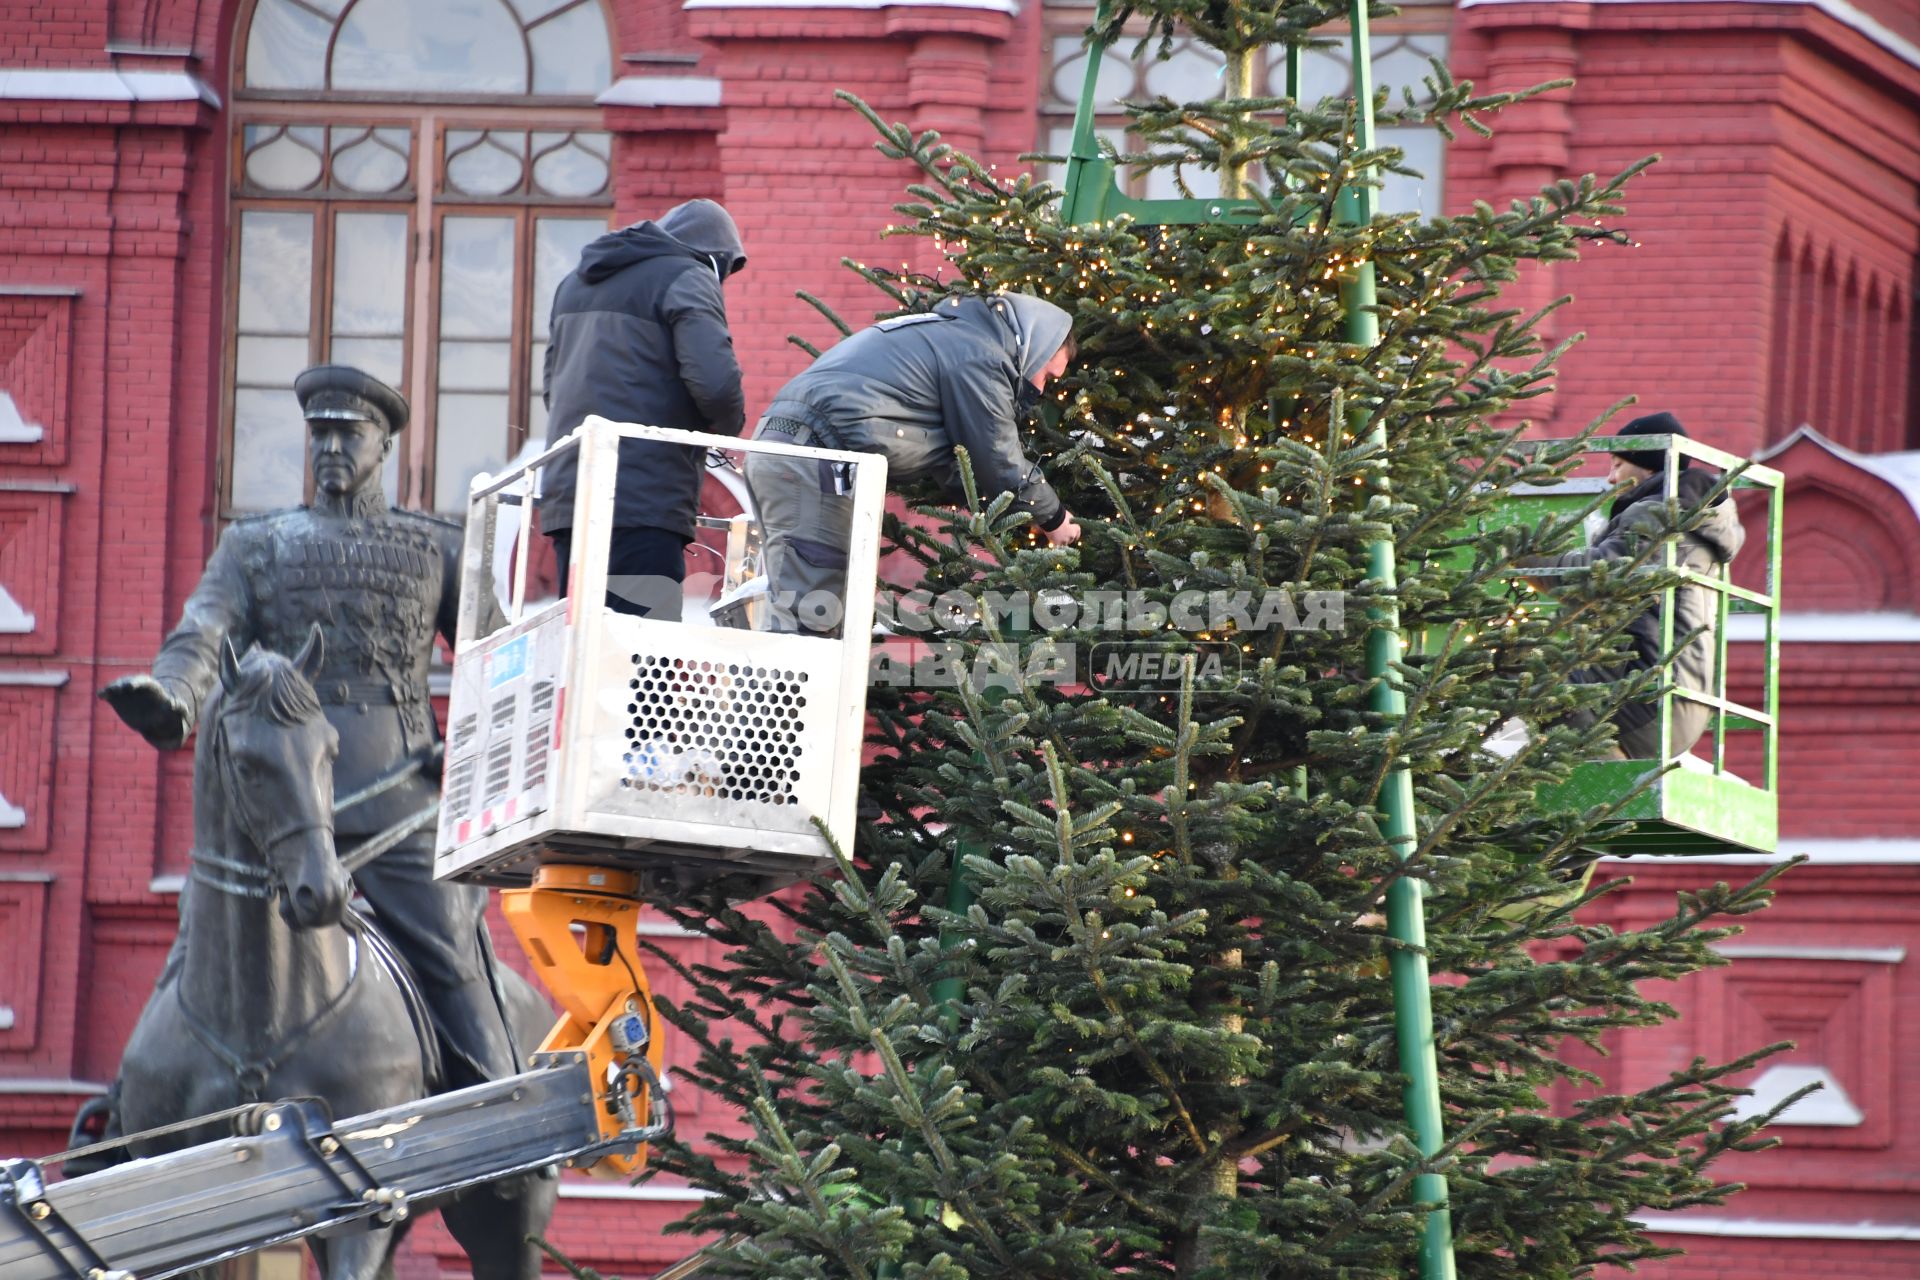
(572, 1190)
(1832, 853)
(15, 429)
(50, 1085)
(1901, 469)
(1847, 15)
(34, 679)
(1829, 628)
(14, 620)
(1827, 1107)
(88, 84)
(661, 91)
(989, 6)
(1779, 951)
(1691, 1224)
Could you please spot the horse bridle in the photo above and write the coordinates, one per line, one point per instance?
(244, 879)
(260, 882)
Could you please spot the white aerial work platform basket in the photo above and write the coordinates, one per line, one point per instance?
(677, 751)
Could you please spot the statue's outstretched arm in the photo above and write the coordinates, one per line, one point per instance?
(165, 706)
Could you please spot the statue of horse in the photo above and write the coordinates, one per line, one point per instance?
(281, 989)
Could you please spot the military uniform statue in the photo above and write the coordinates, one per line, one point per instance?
(379, 582)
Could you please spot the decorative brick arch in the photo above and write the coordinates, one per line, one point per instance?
(1852, 536)
(210, 28)
(1838, 344)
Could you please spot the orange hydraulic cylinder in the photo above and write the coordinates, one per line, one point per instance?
(596, 977)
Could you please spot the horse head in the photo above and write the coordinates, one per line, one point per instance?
(273, 754)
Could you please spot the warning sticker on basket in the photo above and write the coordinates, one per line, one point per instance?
(508, 662)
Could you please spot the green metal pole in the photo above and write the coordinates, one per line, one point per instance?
(947, 991)
(1089, 175)
(1669, 561)
(1406, 920)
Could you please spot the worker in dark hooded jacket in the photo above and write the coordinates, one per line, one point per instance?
(913, 389)
(1636, 516)
(639, 334)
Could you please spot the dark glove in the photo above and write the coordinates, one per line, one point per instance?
(150, 709)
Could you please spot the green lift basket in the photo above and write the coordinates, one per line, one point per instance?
(1699, 806)
(1092, 187)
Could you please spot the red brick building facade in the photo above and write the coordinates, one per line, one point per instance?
(197, 195)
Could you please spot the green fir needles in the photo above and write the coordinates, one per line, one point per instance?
(1169, 1046)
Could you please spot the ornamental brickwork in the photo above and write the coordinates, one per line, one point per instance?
(1773, 286)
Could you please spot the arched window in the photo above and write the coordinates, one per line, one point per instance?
(1401, 47)
(411, 178)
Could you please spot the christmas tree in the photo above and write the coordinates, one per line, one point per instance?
(1102, 988)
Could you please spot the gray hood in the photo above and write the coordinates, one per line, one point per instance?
(707, 229)
(1038, 327)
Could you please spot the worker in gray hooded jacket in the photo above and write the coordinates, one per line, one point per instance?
(1637, 516)
(912, 388)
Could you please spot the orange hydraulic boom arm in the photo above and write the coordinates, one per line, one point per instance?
(606, 1005)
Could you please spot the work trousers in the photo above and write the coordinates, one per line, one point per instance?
(1637, 724)
(806, 518)
(645, 569)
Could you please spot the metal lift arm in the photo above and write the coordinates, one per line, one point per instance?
(296, 1173)
(594, 1100)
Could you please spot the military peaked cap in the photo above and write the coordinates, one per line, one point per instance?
(342, 391)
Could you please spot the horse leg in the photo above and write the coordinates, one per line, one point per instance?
(356, 1255)
(492, 1223)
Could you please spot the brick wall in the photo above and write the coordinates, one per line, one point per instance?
(1824, 968)
(1760, 114)
(96, 246)
(1792, 152)
(1738, 1258)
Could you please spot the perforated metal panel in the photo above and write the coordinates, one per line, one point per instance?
(722, 730)
(742, 730)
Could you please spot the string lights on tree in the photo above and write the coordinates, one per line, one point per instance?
(1158, 1042)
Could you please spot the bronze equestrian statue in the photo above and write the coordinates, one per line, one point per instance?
(282, 990)
(379, 582)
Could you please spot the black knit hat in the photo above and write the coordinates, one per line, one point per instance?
(1653, 424)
